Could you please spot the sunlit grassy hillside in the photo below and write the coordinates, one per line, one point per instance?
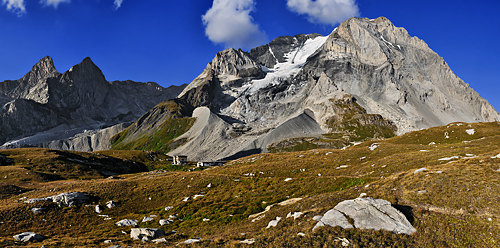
(453, 203)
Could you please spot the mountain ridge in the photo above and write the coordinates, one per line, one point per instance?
(71, 102)
(387, 72)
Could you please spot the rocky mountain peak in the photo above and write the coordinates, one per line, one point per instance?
(43, 69)
(87, 70)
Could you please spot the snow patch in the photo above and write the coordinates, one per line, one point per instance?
(295, 60)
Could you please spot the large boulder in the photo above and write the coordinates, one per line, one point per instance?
(29, 236)
(66, 199)
(367, 213)
(146, 233)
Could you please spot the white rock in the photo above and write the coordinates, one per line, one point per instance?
(126, 222)
(497, 156)
(98, 209)
(157, 241)
(37, 210)
(470, 131)
(317, 217)
(29, 236)
(209, 185)
(168, 208)
(362, 195)
(196, 196)
(149, 233)
(191, 241)
(165, 222)
(419, 170)
(343, 241)
(111, 204)
(301, 234)
(109, 241)
(295, 215)
(373, 146)
(186, 199)
(247, 241)
(449, 158)
(147, 219)
(367, 213)
(288, 179)
(273, 223)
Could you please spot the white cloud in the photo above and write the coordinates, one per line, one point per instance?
(229, 22)
(325, 11)
(16, 6)
(53, 3)
(118, 3)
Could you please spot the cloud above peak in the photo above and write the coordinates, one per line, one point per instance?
(330, 12)
(229, 22)
(16, 6)
(118, 4)
(53, 3)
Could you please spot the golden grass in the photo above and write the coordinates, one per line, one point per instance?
(452, 202)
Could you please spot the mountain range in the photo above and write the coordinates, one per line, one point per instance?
(366, 80)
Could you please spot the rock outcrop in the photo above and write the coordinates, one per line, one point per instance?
(367, 213)
(66, 199)
(46, 105)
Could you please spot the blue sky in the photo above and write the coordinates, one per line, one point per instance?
(170, 42)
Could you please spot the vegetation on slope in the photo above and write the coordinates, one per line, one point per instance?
(351, 123)
(157, 129)
(453, 203)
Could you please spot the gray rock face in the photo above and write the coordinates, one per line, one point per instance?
(29, 236)
(396, 79)
(367, 213)
(148, 233)
(79, 98)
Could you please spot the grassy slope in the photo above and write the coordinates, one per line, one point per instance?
(451, 201)
(157, 129)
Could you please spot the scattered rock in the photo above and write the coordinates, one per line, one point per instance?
(191, 241)
(288, 179)
(343, 241)
(98, 209)
(148, 233)
(165, 222)
(168, 208)
(29, 236)
(205, 219)
(37, 210)
(419, 170)
(283, 203)
(422, 192)
(109, 241)
(295, 215)
(432, 143)
(209, 185)
(373, 146)
(470, 131)
(147, 219)
(126, 222)
(273, 223)
(497, 156)
(317, 217)
(448, 159)
(367, 213)
(157, 241)
(186, 199)
(247, 241)
(111, 204)
(301, 234)
(196, 196)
